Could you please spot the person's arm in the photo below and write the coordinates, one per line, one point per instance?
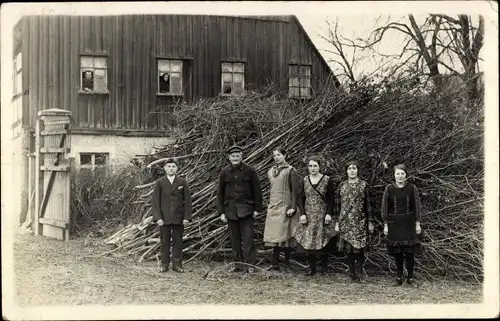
(384, 209)
(294, 185)
(156, 202)
(367, 201)
(257, 190)
(301, 199)
(418, 205)
(337, 203)
(188, 202)
(221, 193)
(330, 197)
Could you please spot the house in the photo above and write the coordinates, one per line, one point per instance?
(120, 76)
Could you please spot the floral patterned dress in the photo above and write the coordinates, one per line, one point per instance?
(354, 212)
(315, 202)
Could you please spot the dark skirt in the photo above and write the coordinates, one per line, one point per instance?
(399, 249)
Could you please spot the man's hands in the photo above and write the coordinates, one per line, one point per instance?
(290, 212)
(328, 219)
(255, 213)
(303, 219)
(160, 223)
(223, 218)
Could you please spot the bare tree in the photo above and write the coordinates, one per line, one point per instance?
(438, 43)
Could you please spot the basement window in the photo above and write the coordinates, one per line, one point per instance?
(299, 81)
(95, 163)
(233, 78)
(170, 77)
(94, 74)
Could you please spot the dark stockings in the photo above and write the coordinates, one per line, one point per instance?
(311, 260)
(356, 262)
(276, 255)
(399, 265)
(410, 263)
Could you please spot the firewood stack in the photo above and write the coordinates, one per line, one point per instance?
(377, 126)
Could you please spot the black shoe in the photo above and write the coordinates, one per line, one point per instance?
(275, 267)
(178, 269)
(399, 281)
(163, 268)
(310, 272)
(410, 281)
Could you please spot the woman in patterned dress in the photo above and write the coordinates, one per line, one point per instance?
(401, 215)
(281, 217)
(353, 219)
(316, 207)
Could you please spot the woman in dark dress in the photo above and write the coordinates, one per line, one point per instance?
(353, 219)
(315, 204)
(401, 215)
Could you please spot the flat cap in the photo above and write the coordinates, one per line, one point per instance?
(171, 160)
(234, 149)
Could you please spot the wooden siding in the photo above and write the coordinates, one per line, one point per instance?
(52, 46)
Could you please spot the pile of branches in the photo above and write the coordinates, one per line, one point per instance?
(377, 125)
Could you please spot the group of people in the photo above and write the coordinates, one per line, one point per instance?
(308, 215)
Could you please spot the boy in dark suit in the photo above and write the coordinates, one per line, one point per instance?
(172, 209)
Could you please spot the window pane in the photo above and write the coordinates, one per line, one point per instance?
(87, 80)
(100, 62)
(293, 69)
(87, 62)
(238, 78)
(226, 66)
(100, 80)
(176, 65)
(305, 70)
(238, 67)
(305, 82)
(237, 88)
(293, 81)
(227, 77)
(293, 92)
(100, 159)
(85, 159)
(163, 65)
(164, 82)
(226, 88)
(176, 85)
(304, 92)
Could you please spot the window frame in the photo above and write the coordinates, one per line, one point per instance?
(181, 73)
(106, 73)
(92, 166)
(232, 73)
(300, 76)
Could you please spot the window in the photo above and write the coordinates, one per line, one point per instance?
(233, 78)
(169, 77)
(299, 81)
(94, 74)
(97, 163)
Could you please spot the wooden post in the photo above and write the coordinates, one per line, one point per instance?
(38, 176)
(72, 173)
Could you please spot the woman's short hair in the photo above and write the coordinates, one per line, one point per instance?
(315, 158)
(401, 167)
(281, 150)
(352, 162)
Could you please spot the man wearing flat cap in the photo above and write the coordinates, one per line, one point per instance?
(172, 209)
(239, 201)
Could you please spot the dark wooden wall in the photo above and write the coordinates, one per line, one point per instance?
(52, 46)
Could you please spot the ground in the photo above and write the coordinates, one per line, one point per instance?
(50, 272)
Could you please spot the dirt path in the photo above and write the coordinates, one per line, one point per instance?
(50, 272)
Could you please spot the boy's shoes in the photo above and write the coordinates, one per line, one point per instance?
(163, 268)
(178, 269)
(399, 281)
(410, 281)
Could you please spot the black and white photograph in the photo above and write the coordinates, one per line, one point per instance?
(250, 160)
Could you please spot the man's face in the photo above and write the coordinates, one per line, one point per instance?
(236, 158)
(88, 75)
(170, 169)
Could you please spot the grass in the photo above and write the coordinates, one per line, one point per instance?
(50, 272)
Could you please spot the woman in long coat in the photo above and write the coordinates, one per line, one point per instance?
(401, 215)
(316, 207)
(353, 219)
(281, 211)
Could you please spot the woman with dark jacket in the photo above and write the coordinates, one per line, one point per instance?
(401, 216)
